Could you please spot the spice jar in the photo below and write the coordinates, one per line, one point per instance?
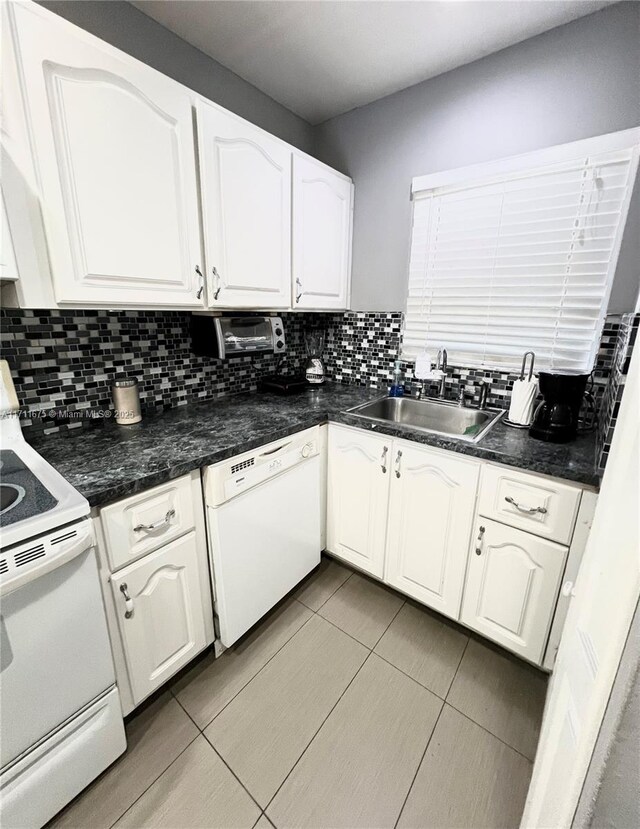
(126, 399)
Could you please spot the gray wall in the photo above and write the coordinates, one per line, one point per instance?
(573, 82)
(128, 29)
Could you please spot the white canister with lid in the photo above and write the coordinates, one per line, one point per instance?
(126, 399)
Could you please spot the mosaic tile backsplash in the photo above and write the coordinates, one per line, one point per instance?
(623, 334)
(65, 360)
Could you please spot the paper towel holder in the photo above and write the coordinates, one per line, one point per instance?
(524, 365)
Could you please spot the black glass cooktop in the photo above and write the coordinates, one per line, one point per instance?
(21, 493)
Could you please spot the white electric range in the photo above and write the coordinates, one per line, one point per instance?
(60, 717)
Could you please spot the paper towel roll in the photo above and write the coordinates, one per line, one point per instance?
(523, 395)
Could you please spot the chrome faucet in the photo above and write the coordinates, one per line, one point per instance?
(441, 363)
(484, 390)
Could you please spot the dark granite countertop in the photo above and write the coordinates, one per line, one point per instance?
(110, 462)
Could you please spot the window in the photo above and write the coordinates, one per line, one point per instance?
(519, 255)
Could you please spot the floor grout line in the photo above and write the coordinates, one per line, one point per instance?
(389, 625)
(413, 779)
(306, 748)
(488, 731)
(453, 679)
(155, 780)
(217, 753)
(220, 756)
(339, 587)
(249, 681)
(408, 676)
(337, 627)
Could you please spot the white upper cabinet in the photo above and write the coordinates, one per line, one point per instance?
(246, 199)
(115, 158)
(8, 264)
(322, 208)
(512, 586)
(430, 518)
(357, 497)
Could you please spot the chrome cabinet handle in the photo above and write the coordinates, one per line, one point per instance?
(299, 285)
(479, 544)
(128, 601)
(528, 510)
(156, 524)
(383, 459)
(200, 290)
(218, 278)
(398, 458)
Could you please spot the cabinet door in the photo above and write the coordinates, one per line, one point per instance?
(512, 586)
(166, 628)
(430, 519)
(357, 497)
(246, 198)
(322, 204)
(115, 153)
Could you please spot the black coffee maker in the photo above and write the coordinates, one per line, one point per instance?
(557, 417)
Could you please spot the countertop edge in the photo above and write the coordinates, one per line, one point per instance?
(98, 498)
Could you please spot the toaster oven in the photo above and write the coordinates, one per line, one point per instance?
(234, 336)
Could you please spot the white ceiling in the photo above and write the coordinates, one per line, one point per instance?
(320, 58)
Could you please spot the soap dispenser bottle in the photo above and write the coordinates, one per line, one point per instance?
(397, 381)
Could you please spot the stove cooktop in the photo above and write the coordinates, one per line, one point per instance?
(22, 495)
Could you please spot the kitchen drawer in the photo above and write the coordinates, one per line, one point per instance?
(541, 506)
(140, 524)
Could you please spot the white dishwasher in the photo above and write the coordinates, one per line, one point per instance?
(263, 521)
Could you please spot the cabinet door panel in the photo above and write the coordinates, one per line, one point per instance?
(114, 148)
(430, 518)
(167, 627)
(246, 193)
(511, 587)
(322, 204)
(357, 497)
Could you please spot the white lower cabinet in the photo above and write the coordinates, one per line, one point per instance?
(357, 497)
(160, 613)
(427, 503)
(512, 585)
(430, 517)
(154, 571)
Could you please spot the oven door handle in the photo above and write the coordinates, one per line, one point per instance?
(84, 541)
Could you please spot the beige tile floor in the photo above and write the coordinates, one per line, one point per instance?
(347, 706)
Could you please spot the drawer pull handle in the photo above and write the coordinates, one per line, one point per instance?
(128, 601)
(479, 545)
(528, 510)
(383, 459)
(156, 524)
(398, 459)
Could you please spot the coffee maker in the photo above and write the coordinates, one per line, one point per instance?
(557, 418)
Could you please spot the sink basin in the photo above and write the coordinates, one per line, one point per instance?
(435, 416)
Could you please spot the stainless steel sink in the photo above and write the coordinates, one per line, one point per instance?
(436, 416)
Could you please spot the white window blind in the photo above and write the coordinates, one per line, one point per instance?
(523, 260)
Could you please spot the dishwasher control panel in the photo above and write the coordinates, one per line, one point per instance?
(228, 478)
